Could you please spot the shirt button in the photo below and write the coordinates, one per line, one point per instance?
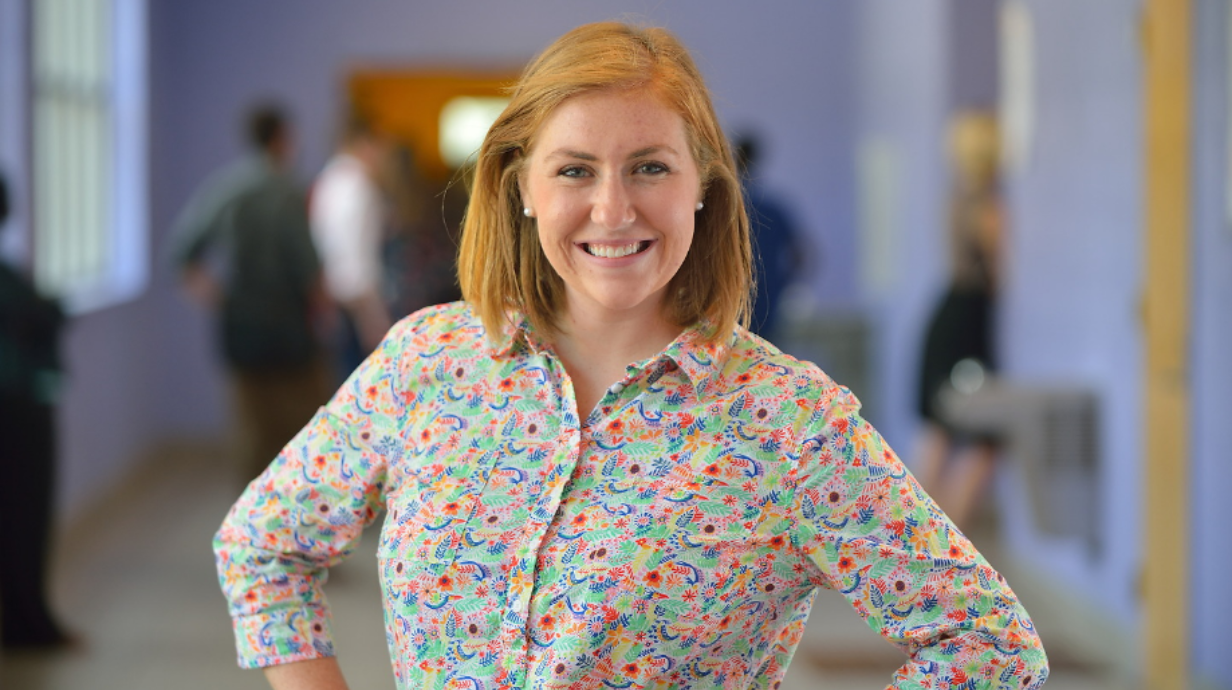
(519, 606)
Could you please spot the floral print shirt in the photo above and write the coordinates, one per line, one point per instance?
(672, 538)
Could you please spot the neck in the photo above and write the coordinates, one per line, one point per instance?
(596, 347)
(625, 336)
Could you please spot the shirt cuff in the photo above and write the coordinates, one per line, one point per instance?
(283, 636)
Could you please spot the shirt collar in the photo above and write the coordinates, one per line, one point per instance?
(701, 360)
(517, 333)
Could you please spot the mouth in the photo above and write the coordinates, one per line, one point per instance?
(615, 251)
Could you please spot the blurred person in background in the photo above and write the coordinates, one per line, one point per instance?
(955, 467)
(418, 251)
(779, 255)
(349, 219)
(592, 474)
(245, 251)
(30, 328)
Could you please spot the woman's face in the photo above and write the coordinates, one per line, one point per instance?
(613, 187)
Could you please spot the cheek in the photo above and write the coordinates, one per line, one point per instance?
(684, 228)
(554, 243)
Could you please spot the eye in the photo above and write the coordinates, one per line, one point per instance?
(573, 171)
(650, 168)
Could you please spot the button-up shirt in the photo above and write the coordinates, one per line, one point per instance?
(674, 537)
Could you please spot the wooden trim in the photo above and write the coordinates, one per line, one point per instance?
(1165, 623)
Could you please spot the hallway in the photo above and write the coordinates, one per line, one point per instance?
(136, 580)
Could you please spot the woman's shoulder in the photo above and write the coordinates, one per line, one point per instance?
(452, 325)
(752, 355)
(755, 360)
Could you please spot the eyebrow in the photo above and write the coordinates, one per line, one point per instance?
(582, 155)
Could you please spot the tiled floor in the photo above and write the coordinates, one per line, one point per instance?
(138, 585)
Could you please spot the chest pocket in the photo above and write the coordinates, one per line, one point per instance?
(429, 517)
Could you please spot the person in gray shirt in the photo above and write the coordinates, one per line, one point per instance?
(243, 246)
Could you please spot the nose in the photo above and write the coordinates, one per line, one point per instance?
(612, 208)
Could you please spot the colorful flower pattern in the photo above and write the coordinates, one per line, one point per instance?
(673, 539)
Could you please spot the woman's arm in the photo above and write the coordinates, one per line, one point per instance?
(314, 674)
(306, 512)
(871, 533)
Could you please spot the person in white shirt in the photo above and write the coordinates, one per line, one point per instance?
(348, 219)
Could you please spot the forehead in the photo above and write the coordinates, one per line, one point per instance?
(612, 119)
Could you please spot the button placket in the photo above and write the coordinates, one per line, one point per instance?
(522, 584)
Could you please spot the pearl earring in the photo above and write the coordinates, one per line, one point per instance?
(527, 212)
(700, 206)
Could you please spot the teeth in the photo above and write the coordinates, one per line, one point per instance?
(610, 252)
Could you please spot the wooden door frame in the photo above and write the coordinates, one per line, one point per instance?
(1166, 390)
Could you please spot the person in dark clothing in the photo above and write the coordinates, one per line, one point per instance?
(776, 241)
(418, 252)
(251, 218)
(959, 340)
(30, 328)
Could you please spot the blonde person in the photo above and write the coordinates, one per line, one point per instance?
(593, 475)
(956, 467)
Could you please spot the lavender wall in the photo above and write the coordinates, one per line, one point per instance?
(1211, 368)
(903, 104)
(108, 416)
(1075, 269)
(974, 59)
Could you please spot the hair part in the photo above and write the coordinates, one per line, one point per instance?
(501, 265)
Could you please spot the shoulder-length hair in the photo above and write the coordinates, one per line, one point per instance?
(501, 266)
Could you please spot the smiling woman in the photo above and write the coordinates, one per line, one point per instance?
(593, 475)
(614, 189)
(647, 73)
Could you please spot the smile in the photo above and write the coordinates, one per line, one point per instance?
(615, 251)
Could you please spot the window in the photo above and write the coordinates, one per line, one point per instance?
(88, 165)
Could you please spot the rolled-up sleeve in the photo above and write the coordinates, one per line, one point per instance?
(867, 529)
(305, 513)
